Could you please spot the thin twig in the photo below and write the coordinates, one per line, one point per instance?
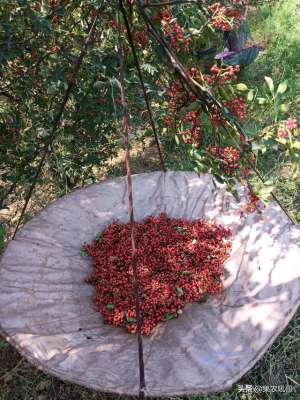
(137, 64)
(137, 288)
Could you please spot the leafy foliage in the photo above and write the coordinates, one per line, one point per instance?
(40, 44)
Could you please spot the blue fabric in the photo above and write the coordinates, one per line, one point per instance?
(243, 57)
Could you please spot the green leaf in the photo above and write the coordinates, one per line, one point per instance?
(296, 144)
(184, 272)
(225, 95)
(179, 290)
(282, 87)
(110, 307)
(98, 237)
(181, 229)
(284, 107)
(194, 106)
(250, 95)
(270, 182)
(150, 68)
(242, 87)
(169, 316)
(131, 320)
(99, 84)
(42, 133)
(218, 178)
(265, 192)
(261, 100)
(270, 84)
(84, 253)
(259, 147)
(195, 31)
(281, 140)
(255, 146)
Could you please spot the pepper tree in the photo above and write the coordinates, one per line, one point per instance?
(66, 121)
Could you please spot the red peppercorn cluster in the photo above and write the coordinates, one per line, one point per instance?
(140, 39)
(192, 134)
(221, 75)
(54, 3)
(290, 126)
(229, 157)
(55, 49)
(253, 204)
(174, 31)
(191, 121)
(223, 17)
(237, 107)
(215, 116)
(179, 262)
(178, 99)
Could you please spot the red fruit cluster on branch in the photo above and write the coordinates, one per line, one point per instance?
(179, 262)
(223, 17)
(292, 123)
(55, 49)
(229, 156)
(178, 98)
(215, 116)
(140, 38)
(253, 204)
(174, 32)
(237, 107)
(286, 127)
(222, 75)
(54, 3)
(192, 134)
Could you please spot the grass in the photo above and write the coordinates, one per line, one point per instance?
(278, 29)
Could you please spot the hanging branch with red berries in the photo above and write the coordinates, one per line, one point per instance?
(195, 93)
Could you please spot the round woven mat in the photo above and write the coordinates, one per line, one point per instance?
(46, 308)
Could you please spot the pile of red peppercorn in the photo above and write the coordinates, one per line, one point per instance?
(179, 262)
(229, 157)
